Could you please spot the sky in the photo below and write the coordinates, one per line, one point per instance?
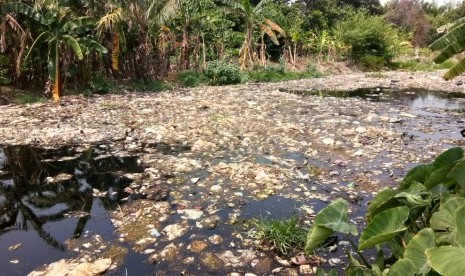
(440, 2)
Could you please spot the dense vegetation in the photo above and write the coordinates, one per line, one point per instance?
(67, 43)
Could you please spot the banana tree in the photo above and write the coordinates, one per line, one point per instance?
(59, 29)
(113, 21)
(451, 44)
(254, 17)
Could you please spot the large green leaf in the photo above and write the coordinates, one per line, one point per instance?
(233, 4)
(449, 38)
(259, 7)
(459, 234)
(443, 221)
(42, 37)
(438, 176)
(355, 268)
(26, 10)
(458, 173)
(91, 44)
(449, 52)
(384, 227)
(381, 202)
(448, 157)
(402, 267)
(456, 70)
(411, 200)
(247, 8)
(336, 209)
(447, 260)
(335, 217)
(415, 250)
(78, 23)
(332, 218)
(419, 174)
(444, 218)
(72, 42)
(316, 236)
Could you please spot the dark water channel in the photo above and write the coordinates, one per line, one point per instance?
(41, 214)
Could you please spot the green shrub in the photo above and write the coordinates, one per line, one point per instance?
(190, 78)
(311, 71)
(149, 86)
(372, 63)
(29, 98)
(4, 81)
(414, 65)
(275, 74)
(266, 74)
(99, 84)
(371, 40)
(219, 72)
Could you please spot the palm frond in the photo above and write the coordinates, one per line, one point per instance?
(455, 71)
(259, 7)
(450, 45)
(247, 7)
(74, 44)
(14, 25)
(92, 44)
(449, 52)
(270, 33)
(162, 11)
(80, 22)
(275, 27)
(38, 40)
(21, 8)
(233, 4)
(109, 20)
(449, 38)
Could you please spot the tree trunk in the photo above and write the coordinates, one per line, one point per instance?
(185, 48)
(247, 54)
(204, 55)
(262, 50)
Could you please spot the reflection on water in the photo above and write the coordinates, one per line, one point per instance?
(417, 98)
(39, 211)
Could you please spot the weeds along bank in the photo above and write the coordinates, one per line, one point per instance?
(87, 45)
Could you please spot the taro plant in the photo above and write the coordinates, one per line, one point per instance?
(421, 222)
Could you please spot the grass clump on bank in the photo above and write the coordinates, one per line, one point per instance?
(29, 98)
(286, 235)
(414, 65)
(223, 73)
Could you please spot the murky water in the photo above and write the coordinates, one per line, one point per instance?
(42, 214)
(415, 98)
